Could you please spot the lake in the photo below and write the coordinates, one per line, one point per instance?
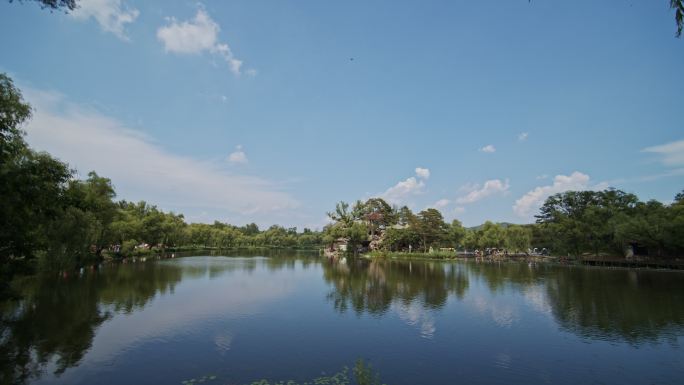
(238, 319)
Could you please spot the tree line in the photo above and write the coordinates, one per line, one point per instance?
(612, 222)
(393, 228)
(609, 222)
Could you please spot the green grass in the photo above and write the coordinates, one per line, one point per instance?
(414, 255)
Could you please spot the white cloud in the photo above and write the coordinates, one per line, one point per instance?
(238, 156)
(543, 176)
(533, 200)
(648, 178)
(141, 169)
(112, 15)
(490, 187)
(197, 36)
(442, 203)
(488, 148)
(672, 154)
(422, 173)
(402, 190)
(522, 136)
(406, 188)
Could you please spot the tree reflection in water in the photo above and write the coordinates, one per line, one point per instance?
(633, 306)
(52, 327)
(54, 322)
(624, 305)
(373, 286)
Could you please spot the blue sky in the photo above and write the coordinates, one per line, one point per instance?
(248, 111)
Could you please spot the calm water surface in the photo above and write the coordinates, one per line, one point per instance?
(297, 317)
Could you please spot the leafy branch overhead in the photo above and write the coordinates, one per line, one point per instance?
(70, 5)
(678, 6)
(66, 5)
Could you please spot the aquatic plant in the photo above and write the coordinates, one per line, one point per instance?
(363, 375)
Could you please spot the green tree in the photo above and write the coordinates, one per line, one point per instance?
(400, 239)
(587, 221)
(430, 226)
(471, 239)
(250, 229)
(491, 235)
(679, 198)
(646, 227)
(674, 230)
(13, 113)
(457, 233)
(517, 238)
(377, 214)
(357, 234)
(341, 214)
(32, 185)
(94, 196)
(404, 216)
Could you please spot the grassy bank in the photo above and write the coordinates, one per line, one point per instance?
(192, 248)
(440, 255)
(413, 255)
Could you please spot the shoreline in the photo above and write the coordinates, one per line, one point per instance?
(654, 264)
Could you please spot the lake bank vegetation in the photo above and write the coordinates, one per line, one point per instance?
(608, 223)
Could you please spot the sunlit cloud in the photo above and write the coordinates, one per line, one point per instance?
(671, 154)
(112, 15)
(522, 136)
(196, 36)
(404, 189)
(477, 193)
(422, 173)
(488, 149)
(238, 156)
(533, 199)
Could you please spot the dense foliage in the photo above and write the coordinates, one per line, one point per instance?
(609, 222)
(399, 229)
(612, 222)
